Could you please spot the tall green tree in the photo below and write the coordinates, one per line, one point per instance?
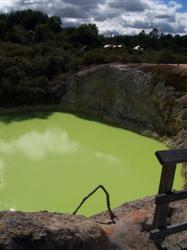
(55, 24)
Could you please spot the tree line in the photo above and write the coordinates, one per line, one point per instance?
(37, 54)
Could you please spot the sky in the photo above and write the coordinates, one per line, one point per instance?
(112, 16)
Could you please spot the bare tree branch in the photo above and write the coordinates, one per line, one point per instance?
(112, 216)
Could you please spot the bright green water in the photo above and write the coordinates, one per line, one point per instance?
(51, 164)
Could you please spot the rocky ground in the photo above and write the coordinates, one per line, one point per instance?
(52, 231)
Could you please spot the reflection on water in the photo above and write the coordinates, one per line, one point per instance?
(37, 145)
(107, 157)
(51, 164)
(2, 175)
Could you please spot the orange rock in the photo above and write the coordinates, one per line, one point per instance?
(138, 216)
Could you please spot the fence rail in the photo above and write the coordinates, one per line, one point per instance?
(169, 160)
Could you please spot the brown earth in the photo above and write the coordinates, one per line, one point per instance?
(54, 231)
(173, 74)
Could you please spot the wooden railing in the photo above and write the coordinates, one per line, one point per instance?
(169, 160)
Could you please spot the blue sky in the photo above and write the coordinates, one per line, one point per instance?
(182, 2)
(121, 16)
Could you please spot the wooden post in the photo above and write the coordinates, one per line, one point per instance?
(168, 160)
(166, 184)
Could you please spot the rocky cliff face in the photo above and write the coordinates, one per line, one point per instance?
(121, 95)
(127, 96)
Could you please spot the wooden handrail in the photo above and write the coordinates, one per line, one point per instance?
(175, 156)
(169, 160)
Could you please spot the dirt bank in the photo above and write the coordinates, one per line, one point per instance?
(50, 231)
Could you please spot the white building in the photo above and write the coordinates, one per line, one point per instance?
(138, 47)
(113, 46)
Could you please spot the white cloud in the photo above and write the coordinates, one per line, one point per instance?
(122, 16)
(37, 145)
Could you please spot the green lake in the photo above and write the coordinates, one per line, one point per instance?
(51, 163)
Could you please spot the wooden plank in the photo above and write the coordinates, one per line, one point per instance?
(157, 234)
(167, 178)
(167, 157)
(160, 217)
(183, 244)
(171, 197)
(174, 247)
(166, 184)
